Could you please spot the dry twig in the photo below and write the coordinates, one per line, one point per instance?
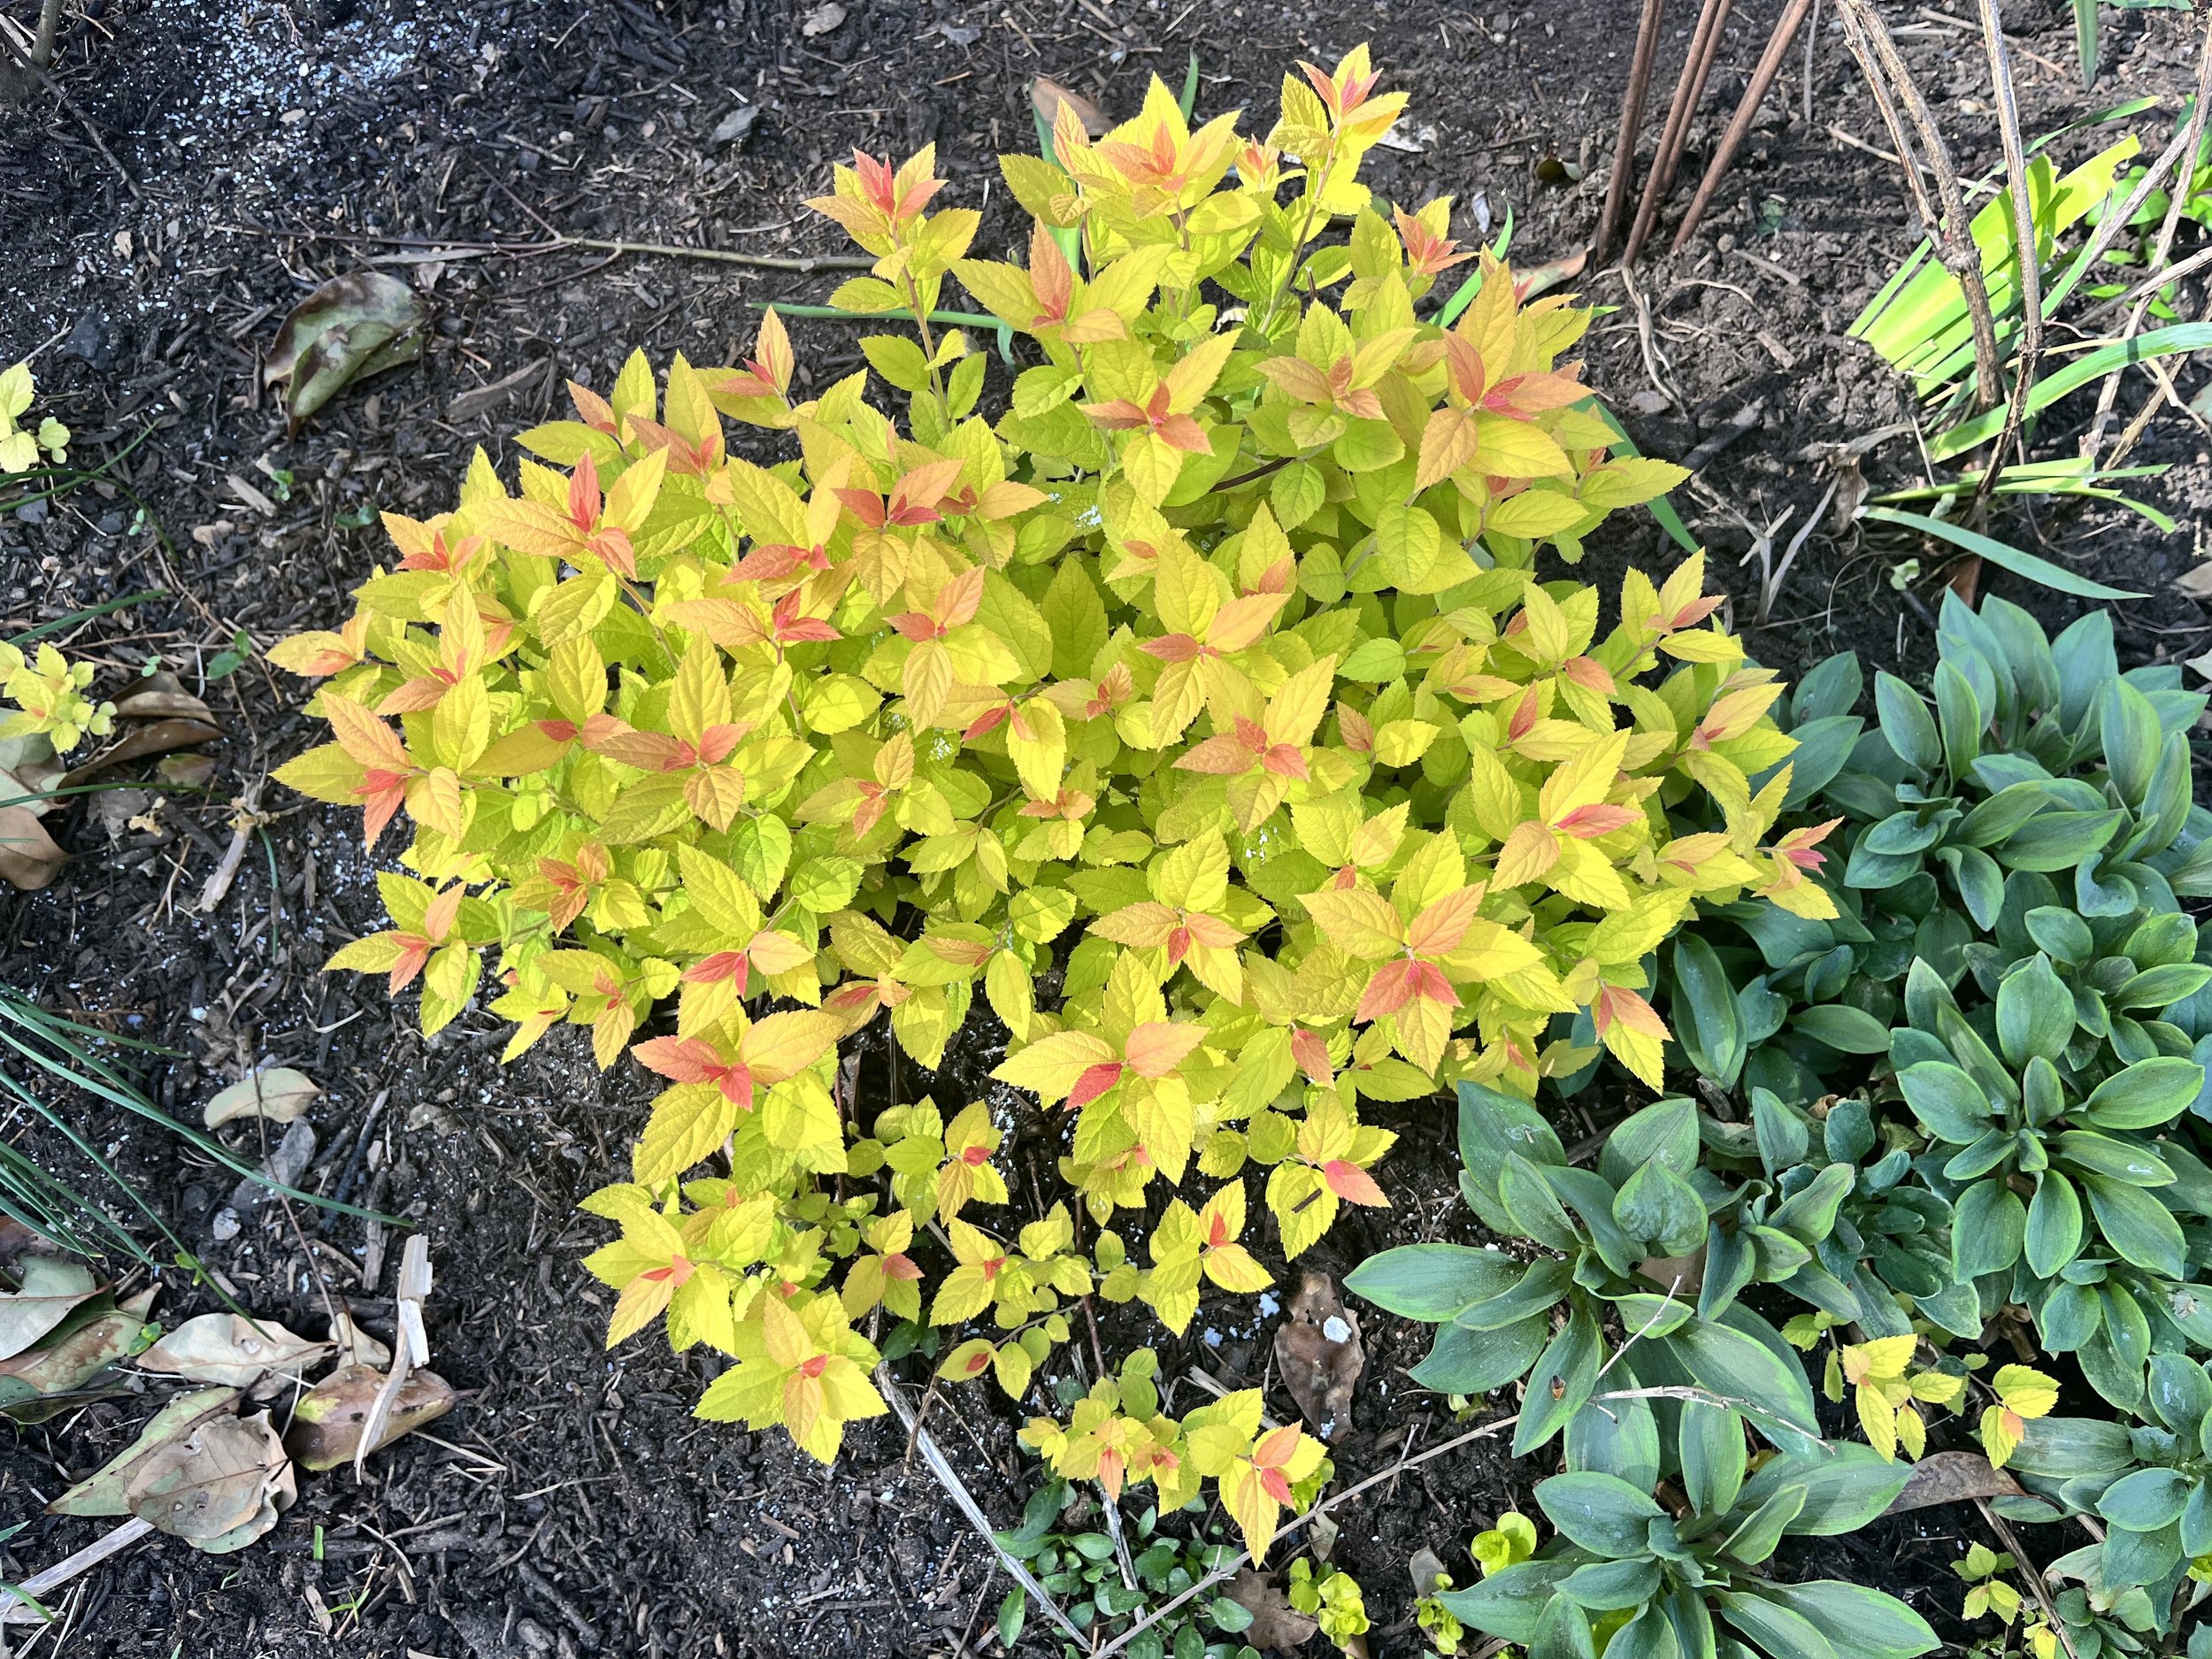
(949, 1479)
(1631, 128)
(2028, 274)
(1689, 90)
(2185, 143)
(1949, 230)
(1785, 30)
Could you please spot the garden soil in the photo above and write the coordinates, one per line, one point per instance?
(571, 1504)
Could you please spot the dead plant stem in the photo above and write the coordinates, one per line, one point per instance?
(1946, 220)
(2027, 255)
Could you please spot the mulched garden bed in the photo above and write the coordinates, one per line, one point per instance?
(571, 1504)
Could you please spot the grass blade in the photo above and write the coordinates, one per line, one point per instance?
(2003, 554)
(2160, 342)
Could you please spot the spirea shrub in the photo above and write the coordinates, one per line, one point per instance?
(1200, 709)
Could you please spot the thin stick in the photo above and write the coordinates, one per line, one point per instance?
(1229, 1571)
(1812, 39)
(2029, 1571)
(1953, 237)
(1753, 94)
(950, 1481)
(66, 103)
(1631, 128)
(2027, 259)
(804, 262)
(14, 1610)
(2192, 131)
(1689, 90)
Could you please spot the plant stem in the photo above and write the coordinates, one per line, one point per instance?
(2027, 253)
(1950, 233)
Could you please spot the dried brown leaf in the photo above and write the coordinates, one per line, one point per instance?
(162, 696)
(156, 737)
(70, 1358)
(29, 858)
(102, 1491)
(277, 1093)
(327, 1423)
(1046, 95)
(823, 19)
(218, 1486)
(1275, 1624)
(1952, 1478)
(48, 1288)
(1317, 1349)
(223, 1347)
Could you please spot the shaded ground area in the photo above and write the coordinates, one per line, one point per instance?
(571, 1504)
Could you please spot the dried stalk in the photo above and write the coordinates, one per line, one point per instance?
(1950, 235)
(2192, 131)
(2027, 256)
(38, 72)
(1763, 79)
(1689, 89)
(949, 1479)
(1631, 128)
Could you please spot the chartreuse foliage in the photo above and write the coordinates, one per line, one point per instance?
(1625, 1576)
(1202, 711)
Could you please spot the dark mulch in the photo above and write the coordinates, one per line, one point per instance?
(571, 1504)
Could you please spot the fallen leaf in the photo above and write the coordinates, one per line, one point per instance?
(822, 19)
(1952, 1478)
(189, 771)
(46, 1288)
(2196, 581)
(1428, 1571)
(101, 1492)
(115, 811)
(1541, 279)
(277, 1093)
(73, 1353)
(355, 1346)
(1046, 95)
(351, 327)
(158, 737)
(1680, 1276)
(218, 1486)
(224, 1347)
(328, 1423)
(1318, 1350)
(1275, 1624)
(161, 696)
(29, 858)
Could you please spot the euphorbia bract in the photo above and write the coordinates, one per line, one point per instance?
(1205, 709)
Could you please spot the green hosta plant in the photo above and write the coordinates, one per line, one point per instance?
(2042, 783)
(1604, 1236)
(2061, 1195)
(1881, 1240)
(2150, 1484)
(1638, 1580)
